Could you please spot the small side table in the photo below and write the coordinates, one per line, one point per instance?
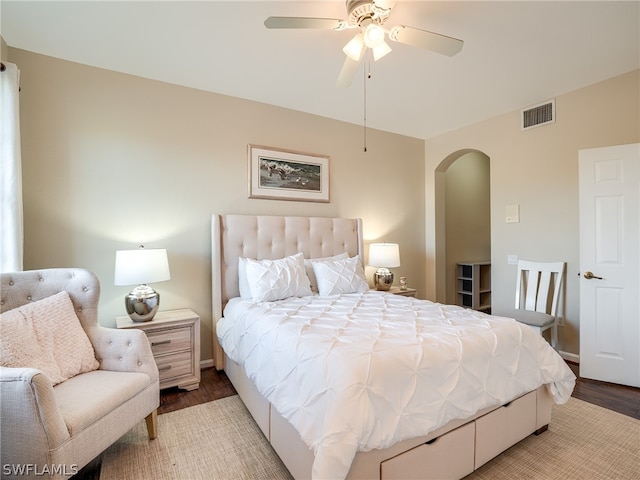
(409, 292)
(174, 336)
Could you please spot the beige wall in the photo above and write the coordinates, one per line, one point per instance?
(538, 170)
(4, 49)
(111, 161)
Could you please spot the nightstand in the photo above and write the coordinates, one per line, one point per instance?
(174, 336)
(409, 292)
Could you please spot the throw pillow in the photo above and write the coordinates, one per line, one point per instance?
(308, 265)
(340, 276)
(243, 283)
(46, 335)
(271, 280)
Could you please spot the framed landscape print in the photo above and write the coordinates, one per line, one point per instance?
(288, 175)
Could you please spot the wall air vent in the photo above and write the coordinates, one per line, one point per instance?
(539, 115)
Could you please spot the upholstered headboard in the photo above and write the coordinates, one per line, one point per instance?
(270, 237)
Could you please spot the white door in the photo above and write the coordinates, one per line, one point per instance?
(610, 264)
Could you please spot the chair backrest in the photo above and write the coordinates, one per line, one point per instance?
(538, 286)
(20, 288)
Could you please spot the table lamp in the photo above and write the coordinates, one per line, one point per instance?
(139, 267)
(384, 256)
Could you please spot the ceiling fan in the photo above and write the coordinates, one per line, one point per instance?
(368, 18)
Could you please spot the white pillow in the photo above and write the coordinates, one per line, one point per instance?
(46, 335)
(271, 280)
(308, 266)
(243, 283)
(340, 276)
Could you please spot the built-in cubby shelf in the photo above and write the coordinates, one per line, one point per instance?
(473, 285)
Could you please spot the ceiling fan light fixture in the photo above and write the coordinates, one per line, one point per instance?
(355, 48)
(373, 35)
(367, 18)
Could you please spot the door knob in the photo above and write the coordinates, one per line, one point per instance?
(590, 275)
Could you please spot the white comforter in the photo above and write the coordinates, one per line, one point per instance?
(364, 371)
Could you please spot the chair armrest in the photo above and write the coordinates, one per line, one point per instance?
(123, 350)
(31, 422)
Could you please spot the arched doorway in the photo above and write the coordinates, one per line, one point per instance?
(463, 213)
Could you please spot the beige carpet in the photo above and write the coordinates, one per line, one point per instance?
(219, 440)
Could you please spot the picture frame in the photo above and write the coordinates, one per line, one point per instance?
(280, 174)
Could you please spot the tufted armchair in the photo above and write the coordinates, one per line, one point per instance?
(62, 428)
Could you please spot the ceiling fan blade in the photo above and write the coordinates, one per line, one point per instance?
(428, 40)
(349, 69)
(303, 22)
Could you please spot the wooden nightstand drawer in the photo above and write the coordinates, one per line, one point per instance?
(174, 336)
(174, 365)
(170, 340)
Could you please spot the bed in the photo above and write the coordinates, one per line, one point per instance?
(440, 411)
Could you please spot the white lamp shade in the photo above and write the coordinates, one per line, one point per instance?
(386, 255)
(355, 48)
(141, 266)
(380, 51)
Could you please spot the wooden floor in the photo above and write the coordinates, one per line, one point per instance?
(619, 398)
(215, 385)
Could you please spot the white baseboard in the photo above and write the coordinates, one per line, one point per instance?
(208, 363)
(570, 357)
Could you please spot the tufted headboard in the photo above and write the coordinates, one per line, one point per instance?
(270, 237)
(20, 288)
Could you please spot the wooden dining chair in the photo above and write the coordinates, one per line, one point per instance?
(538, 287)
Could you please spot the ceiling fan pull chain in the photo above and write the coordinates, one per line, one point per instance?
(364, 103)
(366, 76)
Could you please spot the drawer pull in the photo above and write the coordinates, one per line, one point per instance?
(164, 369)
(506, 405)
(432, 441)
(164, 342)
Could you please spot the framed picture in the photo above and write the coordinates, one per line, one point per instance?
(288, 175)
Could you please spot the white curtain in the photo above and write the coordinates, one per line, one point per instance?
(11, 229)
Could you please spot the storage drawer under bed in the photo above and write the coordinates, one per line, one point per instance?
(447, 456)
(461, 451)
(501, 428)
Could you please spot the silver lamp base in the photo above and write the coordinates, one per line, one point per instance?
(142, 303)
(383, 279)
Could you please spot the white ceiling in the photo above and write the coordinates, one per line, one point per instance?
(515, 54)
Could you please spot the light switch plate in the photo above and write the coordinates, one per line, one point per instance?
(512, 214)
(512, 259)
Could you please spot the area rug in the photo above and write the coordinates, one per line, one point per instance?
(219, 440)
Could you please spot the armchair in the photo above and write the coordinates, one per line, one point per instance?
(59, 429)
